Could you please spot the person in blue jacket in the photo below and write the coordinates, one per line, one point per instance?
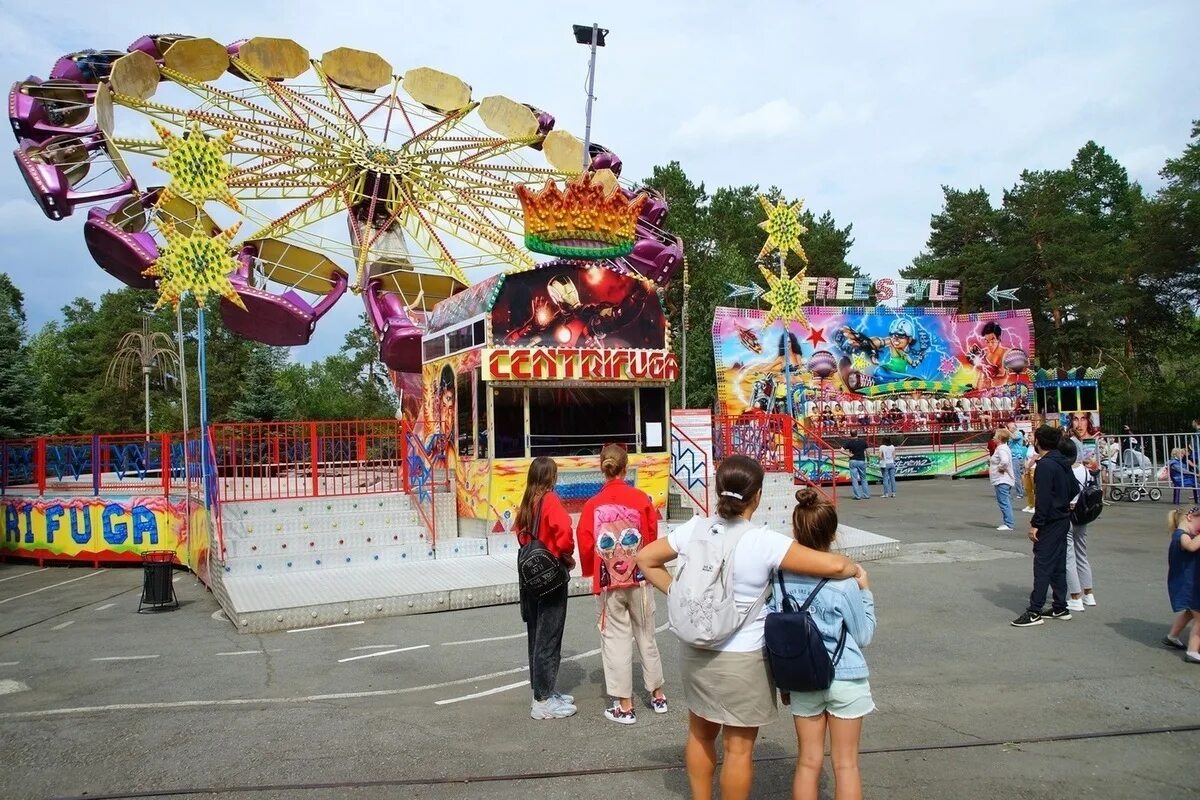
(838, 710)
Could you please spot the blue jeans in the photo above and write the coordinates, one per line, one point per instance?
(858, 480)
(889, 480)
(1003, 500)
(1018, 471)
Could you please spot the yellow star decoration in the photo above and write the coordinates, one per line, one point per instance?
(199, 264)
(197, 165)
(783, 228)
(859, 361)
(786, 296)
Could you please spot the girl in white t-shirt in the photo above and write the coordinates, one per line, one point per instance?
(887, 466)
(728, 689)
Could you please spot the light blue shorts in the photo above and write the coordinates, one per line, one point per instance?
(843, 699)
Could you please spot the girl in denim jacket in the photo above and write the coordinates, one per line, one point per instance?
(840, 708)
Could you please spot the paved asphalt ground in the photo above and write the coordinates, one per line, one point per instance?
(96, 701)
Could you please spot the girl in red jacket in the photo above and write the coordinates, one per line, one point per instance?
(542, 512)
(615, 524)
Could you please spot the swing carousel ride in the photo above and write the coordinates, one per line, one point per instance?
(425, 177)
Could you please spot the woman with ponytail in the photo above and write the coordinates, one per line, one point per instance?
(542, 515)
(614, 526)
(844, 612)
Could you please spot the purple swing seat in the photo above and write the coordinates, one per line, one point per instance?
(52, 188)
(659, 261)
(85, 66)
(283, 320)
(123, 254)
(399, 336)
(34, 119)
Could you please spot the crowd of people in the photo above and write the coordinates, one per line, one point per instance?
(727, 683)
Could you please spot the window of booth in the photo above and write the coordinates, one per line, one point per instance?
(578, 421)
(1088, 398)
(1068, 398)
(508, 412)
(654, 419)
(481, 426)
(466, 415)
(434, 348)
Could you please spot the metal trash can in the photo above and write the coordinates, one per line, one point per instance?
(158, 588)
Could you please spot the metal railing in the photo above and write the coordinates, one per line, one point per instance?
(99, 464)
(286, 460)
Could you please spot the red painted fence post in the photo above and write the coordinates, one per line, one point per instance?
(165, 460)
(39, 464)
(313, 454)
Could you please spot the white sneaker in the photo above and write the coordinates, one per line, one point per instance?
(1074, 605)
(1027, 510)
(1003, 528)
(1089, 599)
(553, 708)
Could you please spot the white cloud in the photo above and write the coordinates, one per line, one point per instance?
(711, 123)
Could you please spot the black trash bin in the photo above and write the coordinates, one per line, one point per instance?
(158, 588)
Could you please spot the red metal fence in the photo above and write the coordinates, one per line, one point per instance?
(282, 460)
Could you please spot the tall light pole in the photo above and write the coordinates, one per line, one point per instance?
(594, 36)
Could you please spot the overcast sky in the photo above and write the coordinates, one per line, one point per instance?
(861, 108)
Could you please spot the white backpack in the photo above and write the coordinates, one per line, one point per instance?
(700, 605)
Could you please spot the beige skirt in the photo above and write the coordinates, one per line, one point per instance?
(728, 688)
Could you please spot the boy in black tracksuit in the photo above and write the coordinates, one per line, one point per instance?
(1055, 485)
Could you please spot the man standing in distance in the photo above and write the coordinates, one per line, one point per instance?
(1055, 486)
(857, 448)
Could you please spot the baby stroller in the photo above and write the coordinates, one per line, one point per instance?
(1129, 480)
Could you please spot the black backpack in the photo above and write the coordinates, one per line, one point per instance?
(795, 649)
(1090, 503)
(538, 571)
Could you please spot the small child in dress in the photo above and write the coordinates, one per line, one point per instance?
(1182, 575)
(839, 710)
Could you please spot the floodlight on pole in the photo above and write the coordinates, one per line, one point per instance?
(594, 36)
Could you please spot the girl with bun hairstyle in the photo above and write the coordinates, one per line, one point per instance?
(728, 688)
(840, 607)
(614, 526)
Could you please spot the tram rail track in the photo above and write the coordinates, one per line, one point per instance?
(518, 777)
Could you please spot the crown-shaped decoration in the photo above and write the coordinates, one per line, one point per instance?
(585, 221)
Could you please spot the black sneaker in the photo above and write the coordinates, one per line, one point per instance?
(1059, 614)
(1027, 619)
(1173, 643)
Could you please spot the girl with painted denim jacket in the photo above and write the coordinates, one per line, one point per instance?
(838, 710)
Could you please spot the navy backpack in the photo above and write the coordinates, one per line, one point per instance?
(795, 649)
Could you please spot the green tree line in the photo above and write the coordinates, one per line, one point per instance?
(56, 382)
(1110, 272)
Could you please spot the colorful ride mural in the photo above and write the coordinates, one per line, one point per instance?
(937, 381)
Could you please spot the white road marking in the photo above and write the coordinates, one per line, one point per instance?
(104, 607)
(52, 586)
(124, 658)
(62, 625)
(23, 574)
(488, 639)
(322, 627)
(497, 690)
(176, 579)
(577, 657)
(12, 687)
(383, 653)
(249, 652)
(268, 701)
(373, 647)
(9, 663)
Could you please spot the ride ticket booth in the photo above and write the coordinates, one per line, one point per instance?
(557, 361)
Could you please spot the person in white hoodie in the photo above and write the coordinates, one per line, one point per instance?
(1000, 472)
(1079, 569)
